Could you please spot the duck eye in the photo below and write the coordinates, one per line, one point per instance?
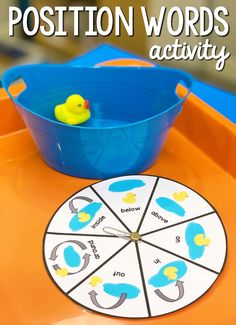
(79, 105)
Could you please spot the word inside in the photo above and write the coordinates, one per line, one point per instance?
(98, 222)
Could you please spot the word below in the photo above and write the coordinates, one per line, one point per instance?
(130, 209)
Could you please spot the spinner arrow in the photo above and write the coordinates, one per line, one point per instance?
(93, 296)
(82, 246)
(179, 285)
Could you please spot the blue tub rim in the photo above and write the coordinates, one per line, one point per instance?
(12, 74)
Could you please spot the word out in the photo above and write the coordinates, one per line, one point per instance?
(116, 273)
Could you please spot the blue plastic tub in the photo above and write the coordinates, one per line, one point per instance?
(132, 111)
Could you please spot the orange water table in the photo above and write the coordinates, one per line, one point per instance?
(200, 152)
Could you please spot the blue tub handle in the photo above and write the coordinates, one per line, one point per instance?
(185, 80)
(188, 80)
(12, 74)
(179, 77)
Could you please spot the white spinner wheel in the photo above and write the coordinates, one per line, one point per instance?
(135, 246)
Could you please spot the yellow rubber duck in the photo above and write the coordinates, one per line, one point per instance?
(201, 240)
(129, 198)
(74, 111)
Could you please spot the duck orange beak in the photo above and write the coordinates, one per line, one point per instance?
(86, 104)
